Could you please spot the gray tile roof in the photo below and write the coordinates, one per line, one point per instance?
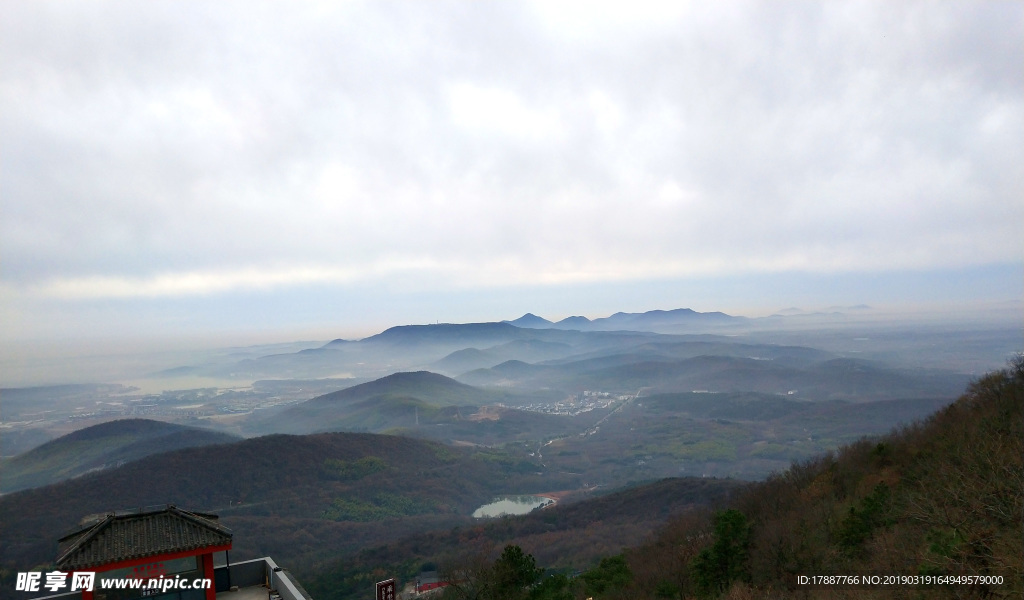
(116, 537)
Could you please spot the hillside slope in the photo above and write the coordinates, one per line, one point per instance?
(941, 498)
(100, 447)
(289, 496)
(833, 379)
(565, 535)
(377, 405)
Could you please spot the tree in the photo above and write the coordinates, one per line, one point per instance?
(555, 587)
(726, 560)
(611, 575)
(513, 573)
(859, 524)
(468, 578)
(510, 577)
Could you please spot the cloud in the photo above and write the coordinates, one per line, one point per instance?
(188, 284)
(173, 149)
(496, 112)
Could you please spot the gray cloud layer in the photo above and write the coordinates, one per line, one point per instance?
(175, 148)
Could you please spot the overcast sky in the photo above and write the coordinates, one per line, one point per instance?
(334, 168)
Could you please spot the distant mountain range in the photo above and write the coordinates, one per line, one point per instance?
(456, 348)
(807, 373)
(468, 359)
(679, 320)
(417, 347)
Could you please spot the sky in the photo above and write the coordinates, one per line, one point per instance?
(273, 171)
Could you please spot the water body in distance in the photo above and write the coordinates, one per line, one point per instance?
(511, 505)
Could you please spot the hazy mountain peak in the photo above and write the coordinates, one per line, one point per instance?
(792, 310)
(530, 320)
(444, 332)
(574, 320)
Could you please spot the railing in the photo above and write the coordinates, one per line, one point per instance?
(260, 571)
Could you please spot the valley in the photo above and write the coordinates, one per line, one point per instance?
(436, 421)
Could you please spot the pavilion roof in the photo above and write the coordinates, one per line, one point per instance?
(123, 536)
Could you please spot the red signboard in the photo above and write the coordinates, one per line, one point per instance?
(386, 590)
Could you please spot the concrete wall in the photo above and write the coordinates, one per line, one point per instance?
(261, 571)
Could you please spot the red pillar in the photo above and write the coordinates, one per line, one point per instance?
(211, 592)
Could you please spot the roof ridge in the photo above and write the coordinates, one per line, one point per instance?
(87, 536)
(198, 520)
(140, 534)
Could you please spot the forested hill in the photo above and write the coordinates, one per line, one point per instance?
(376, 405)
(941, 498)
(288, 496)
(570, 534)
(99, 447)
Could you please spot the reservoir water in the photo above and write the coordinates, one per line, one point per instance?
(511, 505)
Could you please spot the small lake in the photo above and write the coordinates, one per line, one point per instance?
(511, 505)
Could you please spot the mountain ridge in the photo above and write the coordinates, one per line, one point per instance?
(333, 411)
(100, 447)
